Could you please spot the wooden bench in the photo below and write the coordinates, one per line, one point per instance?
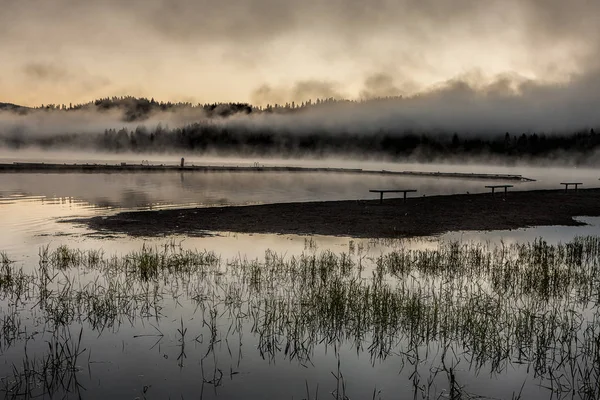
(494, 187)
(382, 191)
(567, 184)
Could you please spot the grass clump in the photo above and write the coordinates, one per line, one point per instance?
(488, 308)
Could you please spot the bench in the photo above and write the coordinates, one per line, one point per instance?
(382, 191)
(494, 187)
(567, 184)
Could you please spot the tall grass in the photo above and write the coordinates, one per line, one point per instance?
(468, 306)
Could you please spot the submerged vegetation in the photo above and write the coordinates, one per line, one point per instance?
(443, 319)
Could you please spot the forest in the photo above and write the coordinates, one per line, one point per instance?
(214, 132)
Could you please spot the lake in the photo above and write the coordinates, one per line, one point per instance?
(511, 314)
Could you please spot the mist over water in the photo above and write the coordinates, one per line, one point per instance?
(145, 190)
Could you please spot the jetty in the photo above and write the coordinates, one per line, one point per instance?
(36, 167)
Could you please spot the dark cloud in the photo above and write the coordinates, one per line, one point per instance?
(71, 77)
(262, 20)
(266, 19)
(426, 21)
(43, 71)
(69, 82)
(210, 22)
(163, 40)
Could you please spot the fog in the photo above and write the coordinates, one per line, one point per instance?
(47, 123)
(509, 104)
(465, 105)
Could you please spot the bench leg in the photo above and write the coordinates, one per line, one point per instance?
(405, 197)
(566, 187)
(575, 188)
(381, 198)
(505, 191)
(493, 191)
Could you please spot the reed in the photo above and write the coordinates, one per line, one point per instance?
(474, 307)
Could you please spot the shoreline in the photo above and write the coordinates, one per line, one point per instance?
(34, 167)
(419, 216)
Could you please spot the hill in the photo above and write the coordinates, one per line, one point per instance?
(11, 106)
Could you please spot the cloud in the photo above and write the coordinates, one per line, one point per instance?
(62, 79)
(221, 51)
(42, 71)
(299, 92)
(380, 85)
(470, 105)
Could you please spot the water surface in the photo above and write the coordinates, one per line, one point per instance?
(227, 330)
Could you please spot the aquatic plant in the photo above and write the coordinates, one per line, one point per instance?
(472, 307)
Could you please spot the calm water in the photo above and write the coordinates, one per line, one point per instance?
(159, 190)
(141, 352)
(153, 190)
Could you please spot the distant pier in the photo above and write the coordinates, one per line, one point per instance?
(26, 167)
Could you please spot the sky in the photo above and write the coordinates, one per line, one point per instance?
(266, 51)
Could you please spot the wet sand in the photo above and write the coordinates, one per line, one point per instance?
(419, 216)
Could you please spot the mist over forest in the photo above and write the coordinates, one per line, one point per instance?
(511, 119)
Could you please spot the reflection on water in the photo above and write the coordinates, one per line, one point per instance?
(285, 316)
(455, 321)
(160, 190)
(551, 234)
(29, 222)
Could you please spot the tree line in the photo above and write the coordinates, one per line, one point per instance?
(210, 135)
(202, 138)
(140, 108)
